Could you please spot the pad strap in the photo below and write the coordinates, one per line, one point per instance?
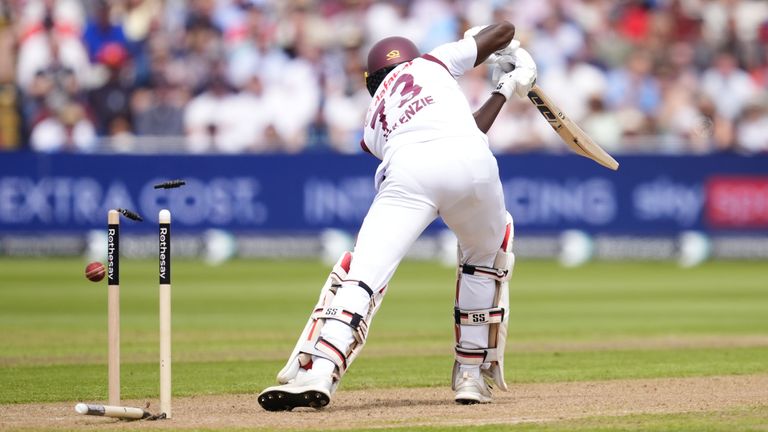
(489, 272)
(359, 283)
(479, 316)
(478, 356)
(351, 319)
(332, 353)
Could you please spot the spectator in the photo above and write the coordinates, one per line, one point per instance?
(759, 71)
(730, 86)
(752, 130)
(68, 130)
(232, 19)
(100, 32)
(252, 48)
(111, 100)
(659, 66)
(121, 138)
(603, 125)
(634, 21)
(202, 45)
(575, 82)
(244, 120)
(519, 129)
(140, 18)
(294, 98)
(476, 85)
(346, 104)
(10, 122)
(159, 111)
(50, 47)
(202, 116)
(634, 87)
(391, 18)
(736, 20)
(679, 116)
(715, 127)
(556, 41)
(66, 15)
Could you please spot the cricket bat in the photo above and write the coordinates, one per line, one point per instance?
(576, 139)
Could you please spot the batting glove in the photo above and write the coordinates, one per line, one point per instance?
(518, 58)
(519, 73)
(522, 59)
(508, 50)
(519, 81)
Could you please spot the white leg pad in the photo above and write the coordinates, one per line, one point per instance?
(493, 319)
(327, 311)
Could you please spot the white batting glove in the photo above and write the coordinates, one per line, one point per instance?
(519, 58)
(501, 65)
(522, 58)
(519, 73)
(510, 49)
(519, 82)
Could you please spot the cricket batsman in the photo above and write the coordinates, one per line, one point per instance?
(435, 161)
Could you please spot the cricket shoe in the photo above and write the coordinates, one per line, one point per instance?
(472, 390)
(307, 390)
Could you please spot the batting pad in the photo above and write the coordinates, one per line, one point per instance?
(311, 343)
(481, 332)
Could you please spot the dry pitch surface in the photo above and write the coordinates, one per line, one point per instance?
(524, 403)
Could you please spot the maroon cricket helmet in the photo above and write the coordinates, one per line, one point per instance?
(389, 52)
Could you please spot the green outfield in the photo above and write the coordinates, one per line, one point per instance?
(234, 325)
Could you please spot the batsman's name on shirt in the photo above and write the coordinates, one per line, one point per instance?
(415, 107)
(410, 111)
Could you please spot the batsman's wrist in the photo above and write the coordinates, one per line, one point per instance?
(502, 94)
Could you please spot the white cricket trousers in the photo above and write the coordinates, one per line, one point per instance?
(457, 180)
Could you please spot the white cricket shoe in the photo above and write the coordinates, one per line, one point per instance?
(472, 389)
(306, 390)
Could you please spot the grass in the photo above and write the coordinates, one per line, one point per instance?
(744, 420)
(234, 325)
(86, 382)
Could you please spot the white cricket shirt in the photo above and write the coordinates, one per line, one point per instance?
(420, 101)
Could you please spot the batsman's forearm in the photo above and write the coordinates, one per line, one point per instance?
(493, 38)
(486, 115)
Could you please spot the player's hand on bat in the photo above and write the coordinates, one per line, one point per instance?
(520, 74)
(519, 81)
(514, 59)
(505, 54)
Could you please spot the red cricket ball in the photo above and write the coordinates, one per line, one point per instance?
(95, 271)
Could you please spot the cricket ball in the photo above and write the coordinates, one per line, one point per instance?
(95, 271)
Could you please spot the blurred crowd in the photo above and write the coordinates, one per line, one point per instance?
(233, 76)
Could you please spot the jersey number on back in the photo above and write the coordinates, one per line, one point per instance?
(409, 91)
